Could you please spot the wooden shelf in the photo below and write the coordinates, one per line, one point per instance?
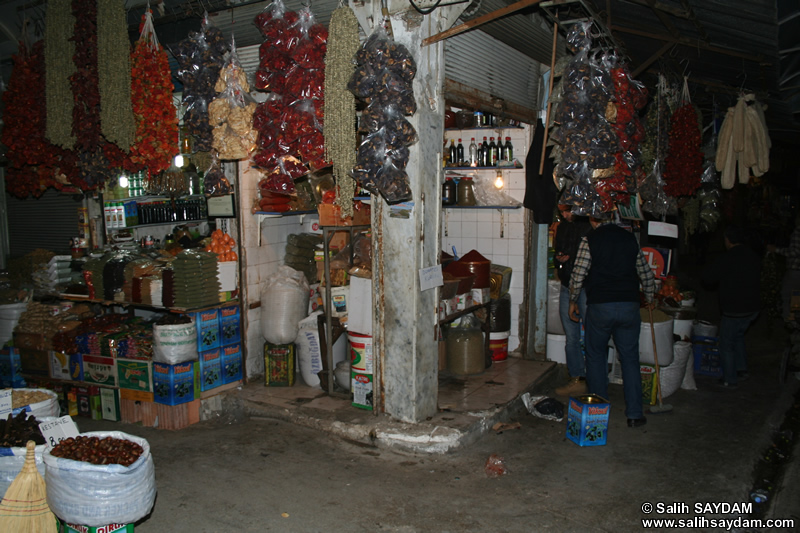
(481, 206)
(287, 213)
(76, 298)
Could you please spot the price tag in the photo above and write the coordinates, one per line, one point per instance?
(58, 430)
(430, 277)
(5, 403)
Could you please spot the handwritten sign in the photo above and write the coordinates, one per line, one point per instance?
(58, 430)
(430, 277)
(5, 403)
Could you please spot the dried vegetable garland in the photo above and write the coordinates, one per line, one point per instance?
(59, 49)
(156, 142)
(684, 165)
(290, 123)
(33, 162)
(114, 74)
(340, 104)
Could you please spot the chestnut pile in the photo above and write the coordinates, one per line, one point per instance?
(105, 451)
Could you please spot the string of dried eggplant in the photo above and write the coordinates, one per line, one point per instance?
(58, 52)
(114, 74)
(340, 106)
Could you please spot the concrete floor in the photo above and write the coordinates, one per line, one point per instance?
(288, 460)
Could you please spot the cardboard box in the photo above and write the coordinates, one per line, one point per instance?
(587, 420)
(59, 365)
(76, 367)
(499, 280)
(361, 310)
(35, 362)
(207, 323)
(338, 300)
(331, 215)
(135, 374)
(109, 398)
(230, 325)
(84, 398)
(32, 341)
(96, 407)
(176, 384)
(136, 395)
(279, 364)
(100, 370)
(463, 301)
(231, 363)
(110, 528)
(11, 369)
(361, 390)
(210, 369)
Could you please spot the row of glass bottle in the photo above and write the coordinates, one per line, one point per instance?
(486, 154)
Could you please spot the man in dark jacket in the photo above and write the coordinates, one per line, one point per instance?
(610, 266)
(568, 237)
(738, 275)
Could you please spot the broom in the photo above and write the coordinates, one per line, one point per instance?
(661, 407)
(24, 508)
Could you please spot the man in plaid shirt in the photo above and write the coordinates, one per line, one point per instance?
(610, 266)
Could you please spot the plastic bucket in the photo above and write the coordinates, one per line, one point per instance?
(663, 331)
(556, 348)
(361, 360)
(702, 328)
(498, 345)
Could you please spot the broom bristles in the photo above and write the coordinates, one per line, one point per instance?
(24, 508)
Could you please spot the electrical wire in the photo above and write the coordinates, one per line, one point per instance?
(428, 11)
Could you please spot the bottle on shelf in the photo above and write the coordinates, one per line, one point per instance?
(508, 150)
(492, 153)
(486, 155)
(466, 191)
(473, 153)
(453, 154)
(500, 148)
(448, 191)
(460, 154)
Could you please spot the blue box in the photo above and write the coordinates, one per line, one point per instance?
(707, 360)
(210, 369)
(11, 369)
(76, 367)
(230, 326)
(231, 363)
(587, 420)
(207, 324)
(176, 384)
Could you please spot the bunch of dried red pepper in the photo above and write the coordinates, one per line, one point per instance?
(684, 164)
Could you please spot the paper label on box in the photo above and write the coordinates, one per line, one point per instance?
(58, 430)
(5, 403)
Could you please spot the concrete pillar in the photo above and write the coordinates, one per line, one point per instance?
(536, 332)
(404, 341)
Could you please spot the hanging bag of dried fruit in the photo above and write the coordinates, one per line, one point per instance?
(684, 164)
(231, 113)
(200, 58)
(156, 142)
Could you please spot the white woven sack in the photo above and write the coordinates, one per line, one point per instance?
(688, 382)
(309, 351)
(175, 343)
(43, 409)
(97, 495)
(284, 303)
(672, 375)
(12, 459)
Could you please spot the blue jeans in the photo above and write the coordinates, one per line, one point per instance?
(620, 320)
(576, 364)
(731, 345)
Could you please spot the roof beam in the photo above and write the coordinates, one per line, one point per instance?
(474, 23)
(661, 6)
(693, 43)
(663, 18)
(700, 29)
(661, 51)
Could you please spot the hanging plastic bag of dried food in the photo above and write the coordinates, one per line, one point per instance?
(579, 37)
(654, 200)
(398, 131)
(309, 52)
(231, 113)
(602, 146)
(281, 178)
(266, 120)
(215, 183)
(393, 183)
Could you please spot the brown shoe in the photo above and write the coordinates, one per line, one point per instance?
(573, 387)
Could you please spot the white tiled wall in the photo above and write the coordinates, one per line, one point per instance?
(497, 234)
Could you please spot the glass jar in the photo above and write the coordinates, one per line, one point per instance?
(466, 191)
(449, 192)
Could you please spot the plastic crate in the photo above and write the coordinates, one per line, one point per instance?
(707, 359)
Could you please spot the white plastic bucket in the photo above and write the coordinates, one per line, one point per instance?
(701, 328)
(498, 345)
(554, 324)
(663, 332)
(361, 360)
(9, 316)
(556, 348)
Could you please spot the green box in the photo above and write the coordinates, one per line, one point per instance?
(135, 374)
(110, 528)
(96, 407)
(109, 399)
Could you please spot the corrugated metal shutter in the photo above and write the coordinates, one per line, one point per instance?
(492, 67)
(47, 222)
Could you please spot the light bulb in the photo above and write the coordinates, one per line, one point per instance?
(179, 161)
(498, 182)
(123, 181)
